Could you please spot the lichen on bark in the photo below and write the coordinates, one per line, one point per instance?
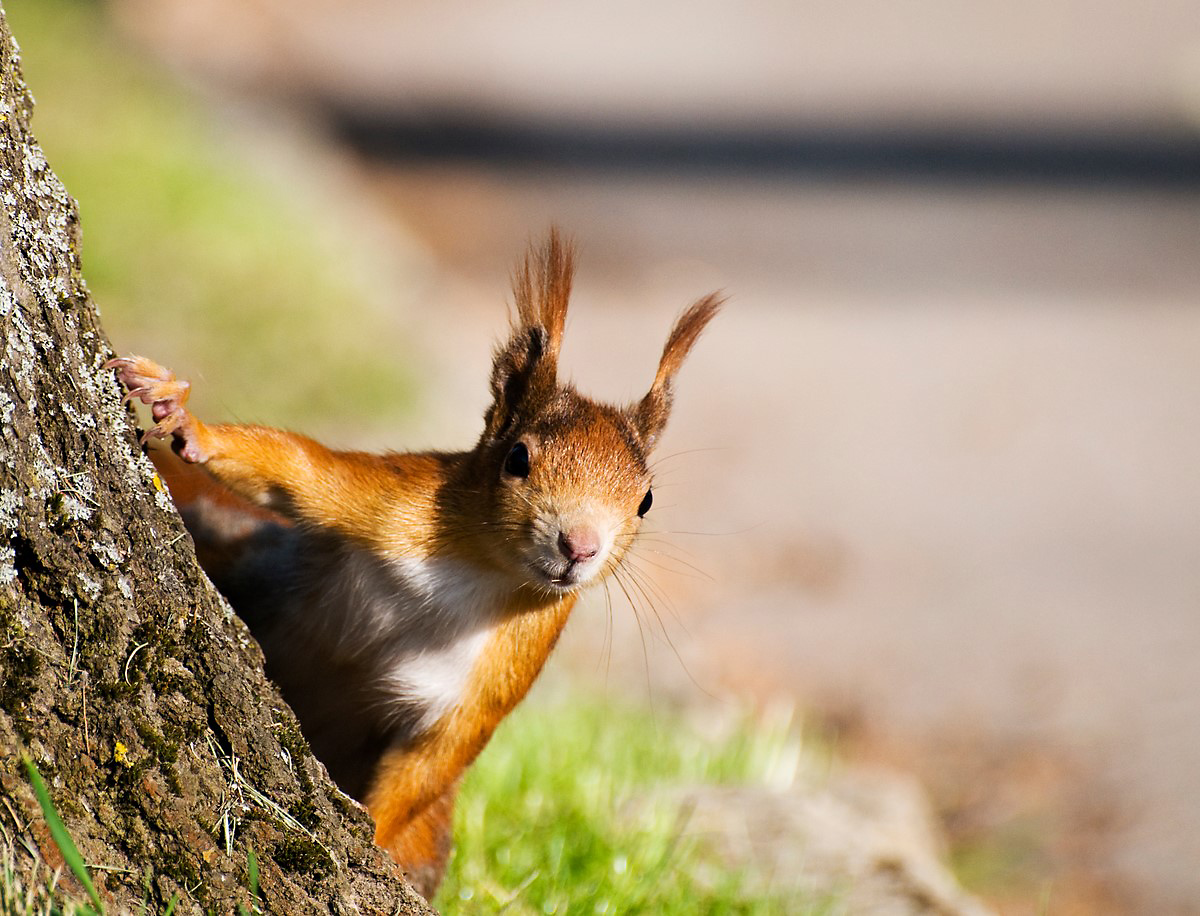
(123, 675)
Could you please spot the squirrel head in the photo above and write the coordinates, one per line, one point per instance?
(567, 478)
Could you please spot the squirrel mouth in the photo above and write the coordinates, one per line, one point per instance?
(566, 579)
(552, 570)
(564, 583)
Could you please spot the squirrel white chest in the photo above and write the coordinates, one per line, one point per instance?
(370, 649)
(405, 634)
(446, 616)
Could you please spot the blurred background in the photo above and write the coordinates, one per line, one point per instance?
(932, 476)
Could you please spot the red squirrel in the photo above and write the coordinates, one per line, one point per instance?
(406, 602)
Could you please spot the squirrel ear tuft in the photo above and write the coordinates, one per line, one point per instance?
(529, 358)
(542, 288)
(651, 413)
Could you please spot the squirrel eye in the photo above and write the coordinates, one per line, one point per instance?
(517, 462)
(647, 502)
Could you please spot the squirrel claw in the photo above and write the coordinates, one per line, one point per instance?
(147, 380)
(157, 386)
(165, 427)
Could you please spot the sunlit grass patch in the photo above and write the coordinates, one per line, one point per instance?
(561, 814)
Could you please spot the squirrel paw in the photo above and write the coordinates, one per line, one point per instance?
(157, 386)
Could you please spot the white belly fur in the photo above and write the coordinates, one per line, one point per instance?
(459, 608)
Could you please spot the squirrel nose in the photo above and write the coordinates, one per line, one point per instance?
(580, 543)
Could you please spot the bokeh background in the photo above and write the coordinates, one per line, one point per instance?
(933, 475)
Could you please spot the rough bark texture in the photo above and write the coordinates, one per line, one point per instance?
(123, 674)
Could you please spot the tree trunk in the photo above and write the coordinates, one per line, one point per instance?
(123, 675)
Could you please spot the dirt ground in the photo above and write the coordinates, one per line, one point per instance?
(932, 474)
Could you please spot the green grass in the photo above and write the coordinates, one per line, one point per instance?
(199, 254)
(34, 891)
(62, 838)
(30, 892)
(568, 811)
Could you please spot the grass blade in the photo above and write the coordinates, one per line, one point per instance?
(252, 868)
(58, 830)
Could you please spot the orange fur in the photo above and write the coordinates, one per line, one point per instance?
(409, 779)
(407, 602)
(423, 844)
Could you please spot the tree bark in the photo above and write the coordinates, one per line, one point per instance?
(123, 675)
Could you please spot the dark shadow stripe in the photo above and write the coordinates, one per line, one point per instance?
(1169, 158)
